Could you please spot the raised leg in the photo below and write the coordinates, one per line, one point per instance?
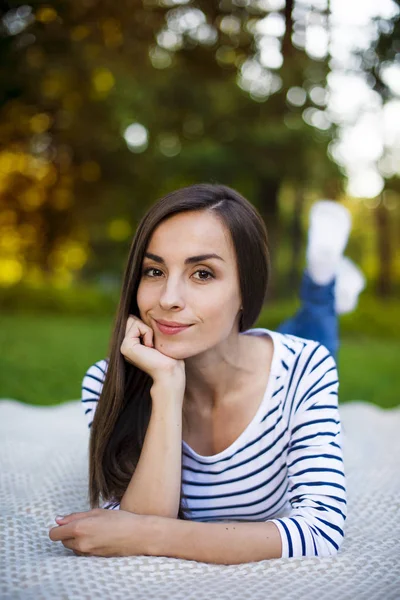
(316, 319)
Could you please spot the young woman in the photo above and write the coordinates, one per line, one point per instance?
(217, 442)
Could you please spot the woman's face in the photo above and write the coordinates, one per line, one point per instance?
(180, 284)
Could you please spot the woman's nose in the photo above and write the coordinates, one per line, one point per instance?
(172, 294)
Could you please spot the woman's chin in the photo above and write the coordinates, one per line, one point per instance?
(173, 350)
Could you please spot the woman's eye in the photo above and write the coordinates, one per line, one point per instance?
(205, 275)
(147, 271)
(204, 272)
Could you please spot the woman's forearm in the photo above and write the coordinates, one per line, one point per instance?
(227, 543)
(155, 485)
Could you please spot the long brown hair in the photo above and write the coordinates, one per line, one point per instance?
(124, 407)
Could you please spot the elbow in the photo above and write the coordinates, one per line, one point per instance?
(148, 511)
(326, 545)
(302, 538)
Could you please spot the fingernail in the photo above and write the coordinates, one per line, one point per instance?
(59, 518)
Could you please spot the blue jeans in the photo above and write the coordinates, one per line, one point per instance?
(316, 319)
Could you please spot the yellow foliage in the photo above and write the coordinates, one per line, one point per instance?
(79, 33)
(28, 234)
(8, 217)
(10, 241)
(62, 199)
(119, 230)
(40, 122)
(11, 271)
(52, 86)
(112, 33)
(32, 198)
(46, 14)
(72, 101)
(90, 171)
(34, 276)
(103, 80)
(61, 279)
(35, 57)
(70, 255)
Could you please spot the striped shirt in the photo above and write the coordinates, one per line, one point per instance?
(286, 466)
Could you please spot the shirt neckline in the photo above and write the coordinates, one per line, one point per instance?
(267, 396)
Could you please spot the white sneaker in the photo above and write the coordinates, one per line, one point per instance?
(350, 282)
(328, 233)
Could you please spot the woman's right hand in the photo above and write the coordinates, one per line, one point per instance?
(138, 349)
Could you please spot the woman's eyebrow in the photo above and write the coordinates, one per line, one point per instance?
(191, 259)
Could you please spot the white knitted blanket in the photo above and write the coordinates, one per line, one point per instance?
(43, 460)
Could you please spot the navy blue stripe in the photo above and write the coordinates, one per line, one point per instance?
(263, 467)
(242, 505)
(305, 395)
(312, 423)
(334, 508)
(100, 369)
(331, 525)
(270, 413)
(318, 406)
(319, 470)
(90, 390)
(314, 456)
(270, 510)
(243, 462)
(236, 493)
(303, 541)
(300, 378)
(261, 515)
(95, 378)
(290, 349)
(289, 387)
(310, 437)
(316, 534)
(323, 388)
(323, 505)
(318, 483)
(288, 536)
(320, 362)
(277, 391)
(222, 460)
(90, 399)
(334, 544)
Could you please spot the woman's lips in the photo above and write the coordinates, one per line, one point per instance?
(171, 330)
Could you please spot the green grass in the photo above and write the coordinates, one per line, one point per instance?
(43, 359)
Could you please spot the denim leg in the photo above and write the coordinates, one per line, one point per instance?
(316, 319)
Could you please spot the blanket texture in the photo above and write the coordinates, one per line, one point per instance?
(44, 469)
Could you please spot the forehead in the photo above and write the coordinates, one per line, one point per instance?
(191, 233)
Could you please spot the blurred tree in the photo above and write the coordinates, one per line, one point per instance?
(382, 57)
(106, 106)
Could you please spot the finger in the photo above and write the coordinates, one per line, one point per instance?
(71, 545)
(129, 322)
(138, 330)
(148, 338)
(73, 516)
(63, 532)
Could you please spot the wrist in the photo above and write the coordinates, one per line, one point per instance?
(153, 535)
(166, 392)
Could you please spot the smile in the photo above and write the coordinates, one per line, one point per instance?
(169, 330)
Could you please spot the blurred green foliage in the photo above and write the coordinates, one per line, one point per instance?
(45, 357)
(374, 317)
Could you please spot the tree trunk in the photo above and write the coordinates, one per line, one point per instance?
(384, 248)
(287, 45)
(269, 210)
(296, 236)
